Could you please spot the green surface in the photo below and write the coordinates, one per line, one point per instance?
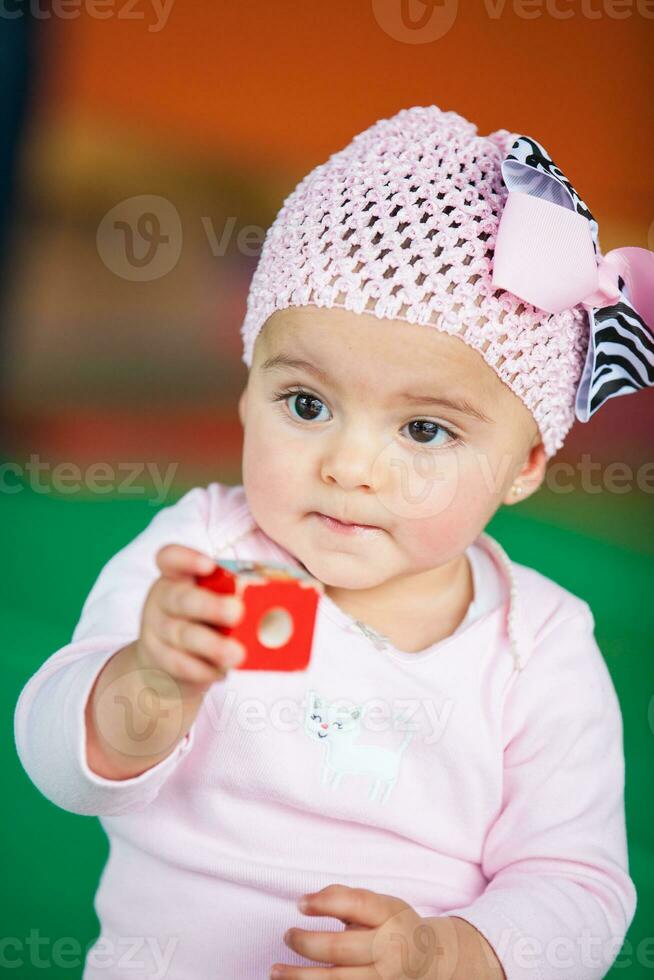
(600, 547)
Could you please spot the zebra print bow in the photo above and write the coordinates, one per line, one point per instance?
(547, 253)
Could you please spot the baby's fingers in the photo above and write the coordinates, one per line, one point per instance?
(182, 599)
(203, 641)
(187, 669)
(180, 561)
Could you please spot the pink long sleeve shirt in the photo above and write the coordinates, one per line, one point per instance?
(481, 777)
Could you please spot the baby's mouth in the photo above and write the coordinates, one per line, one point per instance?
(336, 522)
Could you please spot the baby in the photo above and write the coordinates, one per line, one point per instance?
(443, 785)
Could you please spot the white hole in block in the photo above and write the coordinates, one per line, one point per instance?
(275, 628)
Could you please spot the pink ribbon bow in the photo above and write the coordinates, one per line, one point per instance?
(546, 253)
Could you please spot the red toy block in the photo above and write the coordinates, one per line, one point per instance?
(280, 602)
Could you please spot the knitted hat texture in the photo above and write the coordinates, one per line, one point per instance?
(401, 224)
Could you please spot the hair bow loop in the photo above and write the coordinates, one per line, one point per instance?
(547, 253)
(608, 290)
(635, 266)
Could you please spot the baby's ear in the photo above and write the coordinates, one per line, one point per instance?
(533, 470)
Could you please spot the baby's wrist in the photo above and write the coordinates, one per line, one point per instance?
(135, 716)
(474, 955)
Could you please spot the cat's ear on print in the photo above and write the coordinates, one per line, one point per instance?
(315, 701)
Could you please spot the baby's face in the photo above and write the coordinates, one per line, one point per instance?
(356, 437)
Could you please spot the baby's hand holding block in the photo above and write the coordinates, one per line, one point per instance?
(280, 603)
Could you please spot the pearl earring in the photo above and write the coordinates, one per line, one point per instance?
(517, 489)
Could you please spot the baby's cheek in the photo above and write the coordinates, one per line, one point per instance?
(440, 505)
(269, 470)
(254, 466)
(444, 535)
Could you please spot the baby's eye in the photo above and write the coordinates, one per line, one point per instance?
(424, 430)
(306, 405)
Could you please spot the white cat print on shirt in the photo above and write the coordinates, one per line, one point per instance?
(338, 729)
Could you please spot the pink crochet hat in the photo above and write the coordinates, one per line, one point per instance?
(402, 224)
